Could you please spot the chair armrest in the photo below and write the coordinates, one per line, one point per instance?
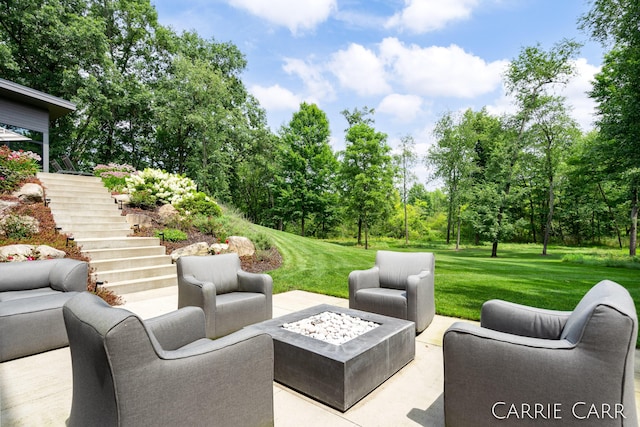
(420, 299)
(69, 275)
(178, 328)
(255, 282)
(242, 338)
(192, 292)
(523, 320)
(361, 279)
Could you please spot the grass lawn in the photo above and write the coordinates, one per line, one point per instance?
(464, 279)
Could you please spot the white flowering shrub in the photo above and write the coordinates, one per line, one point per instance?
(162, 186)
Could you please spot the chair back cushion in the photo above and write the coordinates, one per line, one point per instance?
(19, 276)
(89, 320)
(605, 293)
(221, 270)
(395, 267)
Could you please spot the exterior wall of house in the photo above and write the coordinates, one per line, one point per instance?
(28, 117)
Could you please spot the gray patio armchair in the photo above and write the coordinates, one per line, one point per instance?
(230, 297)
(163, 371)
(530, 366)
(400, 285)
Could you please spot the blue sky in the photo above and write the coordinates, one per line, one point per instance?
(411, 60)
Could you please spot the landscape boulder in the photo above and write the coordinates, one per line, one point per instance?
(196, 249)
(218, 248)
(167, 213)
(14, 253)
(123, 199)
(5, 205)
(241, 245)
(141, 220)
(30, 193)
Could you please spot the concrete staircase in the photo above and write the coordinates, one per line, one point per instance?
(84, 209)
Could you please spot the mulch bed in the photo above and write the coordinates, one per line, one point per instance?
(258, 263)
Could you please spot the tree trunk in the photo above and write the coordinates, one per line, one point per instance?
(547, 228)
(613, 216)
(458, 232)
(449, 218)
(359, 231)
(494, 250)
(366, 235)
(406, 225)
(633, 233)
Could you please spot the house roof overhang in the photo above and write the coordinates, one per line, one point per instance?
(57, 107)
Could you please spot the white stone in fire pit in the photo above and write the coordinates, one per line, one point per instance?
(330, 327)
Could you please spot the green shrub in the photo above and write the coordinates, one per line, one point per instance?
(114, 175)
(15, 166)
(198, 203)
(172, 235)
(18, 227)
(165, 187)
(143, 199)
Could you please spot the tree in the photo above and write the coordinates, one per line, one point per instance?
(366, 175)
(406, 160)
(553, 133)
(453, 160)
(616, 90)
(308, 166)
(529, 78)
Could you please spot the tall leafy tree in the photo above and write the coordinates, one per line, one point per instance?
(530, 78)
(553, 132)
(367, 174)
(453, 160)
(407, 160)
(308, 166)
(617, 91)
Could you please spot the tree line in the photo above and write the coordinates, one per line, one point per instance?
(150, 97)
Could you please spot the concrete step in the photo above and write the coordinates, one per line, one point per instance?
(84, 198)
(96, 225)
(61, 189)
(88, 219)
(62, 177)
(117, 243)
(61, 213)
(98, 234)
(130, 262)
(82, 206)
(127, 274)
(116, 253)
(131, 286)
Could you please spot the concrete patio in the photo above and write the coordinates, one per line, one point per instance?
(37, 390)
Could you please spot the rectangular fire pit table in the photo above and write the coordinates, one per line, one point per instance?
(339, 375)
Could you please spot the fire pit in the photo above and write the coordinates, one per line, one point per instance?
(331, 327)
(339, 374)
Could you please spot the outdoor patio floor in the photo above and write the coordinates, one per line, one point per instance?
(36, 390)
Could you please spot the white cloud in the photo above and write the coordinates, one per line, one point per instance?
(584, 107)
(404, 108)
(317, 87)
(421, 16)
(295, 15)
(275, 98)
(441, 71)
(359, 69)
